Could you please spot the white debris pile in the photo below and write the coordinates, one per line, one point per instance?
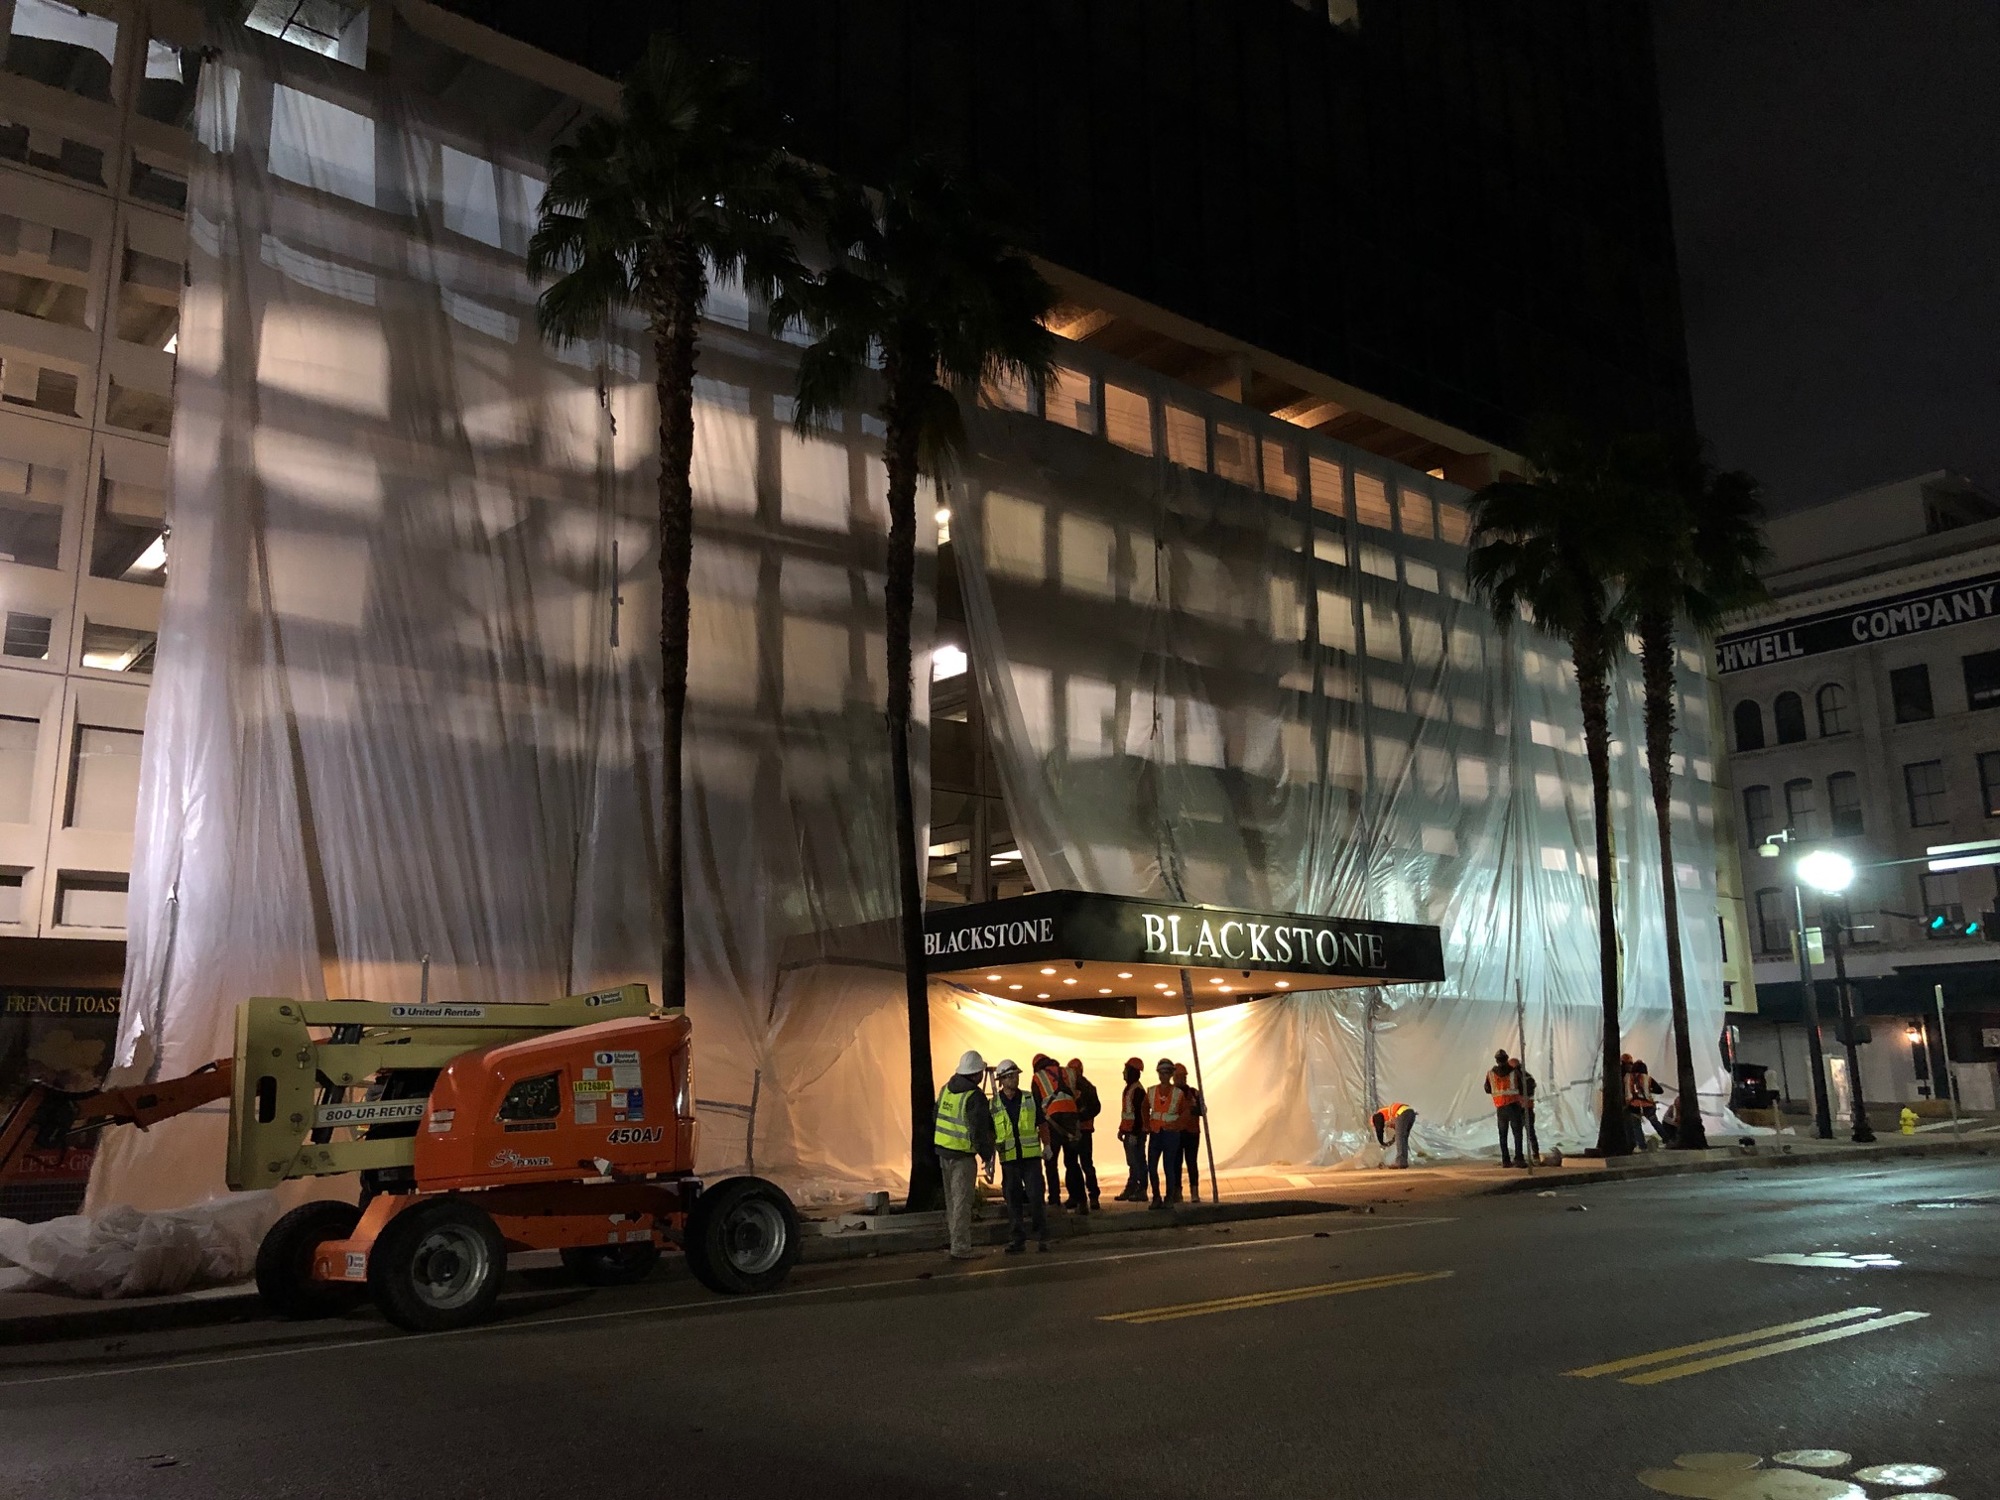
(123, 1252)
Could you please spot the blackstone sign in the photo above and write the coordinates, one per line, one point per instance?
(1861, 625)
(1071, 925)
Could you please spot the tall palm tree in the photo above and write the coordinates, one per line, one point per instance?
(1698, 546)
(687, 183)
(924, 288)
(1548, 546)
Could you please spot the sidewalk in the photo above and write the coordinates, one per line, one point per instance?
(1247, 1195)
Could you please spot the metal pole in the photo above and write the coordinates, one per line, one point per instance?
(1863, 1131)
(1187, 1004)
(424, 982)
(1822, 1115)
(1944, 1054)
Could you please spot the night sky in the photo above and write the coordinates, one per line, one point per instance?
(1836, 179)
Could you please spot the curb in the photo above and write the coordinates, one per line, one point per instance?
(214, 1306)
(1760, 1160)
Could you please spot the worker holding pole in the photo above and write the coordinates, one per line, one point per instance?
(1191, 1118)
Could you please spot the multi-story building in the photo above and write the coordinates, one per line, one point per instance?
(1860, 707)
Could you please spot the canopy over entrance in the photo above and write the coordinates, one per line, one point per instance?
(1069, 947)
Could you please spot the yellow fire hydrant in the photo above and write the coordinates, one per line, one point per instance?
(1909, 1120)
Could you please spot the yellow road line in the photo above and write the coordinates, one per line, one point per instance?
(1270, 1299)
(1661, 1356)
(1826, 1336)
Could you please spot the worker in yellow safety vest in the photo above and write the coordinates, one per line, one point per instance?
(1503, 1082)
(1166, 1108)
(1017, 1139)
(962, 1131)
(1395, 1121)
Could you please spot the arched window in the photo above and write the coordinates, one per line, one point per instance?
(1802, 808)
(1788, 718)
(1831, 701)
(1749, 725)
(1757, 822)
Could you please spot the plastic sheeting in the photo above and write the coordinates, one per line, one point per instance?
(406, 691)
(125, 1253)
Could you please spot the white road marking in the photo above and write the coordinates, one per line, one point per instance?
(405, 1340)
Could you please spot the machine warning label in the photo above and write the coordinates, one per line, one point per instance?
(649, 1135)
(438, 1012)
(586, 1111)
(378, 1112)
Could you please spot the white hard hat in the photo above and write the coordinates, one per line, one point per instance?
(1007, 1065)
(972, 1064)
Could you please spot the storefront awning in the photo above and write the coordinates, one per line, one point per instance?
(1056, 946)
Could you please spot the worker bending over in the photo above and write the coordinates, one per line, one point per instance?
(1017, 1141)
(1394, 1122)
(963, 1131)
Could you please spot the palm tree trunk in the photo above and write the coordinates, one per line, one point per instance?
(899, 590)
(1656, 663)
(1591, 651)
(676, 311)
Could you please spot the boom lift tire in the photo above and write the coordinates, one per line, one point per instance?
(285, 1262)
(437, 1265)
(742, 1236)
(611, 1265)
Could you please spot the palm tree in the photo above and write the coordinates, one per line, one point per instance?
(923, 287)
(1698, 548)
(1547, 546)
(687, 183)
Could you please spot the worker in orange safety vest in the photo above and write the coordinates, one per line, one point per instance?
(1060, 1127)
(1395, 1120)
(1166, 1107)
(1503, 1082)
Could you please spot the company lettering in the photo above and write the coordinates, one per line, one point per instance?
(1264, 943)
(991, 935)
(1907, 614)
(438, 1012)
(505, 1158)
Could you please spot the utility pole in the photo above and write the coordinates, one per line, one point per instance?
(1830, 919)
(1822, 1112)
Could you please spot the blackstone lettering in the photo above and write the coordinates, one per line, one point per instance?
(991, 935)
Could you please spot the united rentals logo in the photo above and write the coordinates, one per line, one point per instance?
(438, 1012)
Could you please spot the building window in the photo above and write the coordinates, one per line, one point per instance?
(1773, 922)
(1982, 679)
(1924, 782)
(1910, 691)
(1832, 704)
(1788, 718)
(1940, 894)
(18, 738)
(26, 636)
(63, 47)
(1843, 804)
(1757, 825)
(1801, 808)
(1989, 782)
(1749, 725)
(31, 513)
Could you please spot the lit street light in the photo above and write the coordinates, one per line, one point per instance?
(1831, 873)
(1822, 1112)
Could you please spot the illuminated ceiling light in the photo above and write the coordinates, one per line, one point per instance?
(1048, 971)
(1229, 989)
(1159, 986)
(1104, 992)
(1215, 981)
(1124, 974)
(992, 978)
(1043, 996)
(943, 516)
(152, 559)
(1005, 856)
(947, 661)
(1284, 984)
(1069, 981)
(1013, 986)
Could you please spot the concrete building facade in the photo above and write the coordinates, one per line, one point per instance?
(1860, 712)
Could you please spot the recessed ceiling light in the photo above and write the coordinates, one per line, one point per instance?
(993, 978)
(1125, 974)
(1284, 984)
(1215, 981)
(1013, 986)
(1048, 971)
(1229, 989)
(1043, 996)
(1069, 981)
(1159, 986)
(1104, 992)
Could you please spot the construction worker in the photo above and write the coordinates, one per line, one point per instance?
(1527, 1107)
(1165, 1105)
(1017, 1141)
(962, 1127)
(1394, 1120)
(1639, 1106)
(1088, 1108)
(1191, 1117)
(1132, 1108)
(1057, 1107)
(1504, 1084)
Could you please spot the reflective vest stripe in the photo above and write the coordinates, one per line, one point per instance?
(1506, 1087)
(954, 1128)
(1164, 1106)
(1639, 1089)
(1132, 1109)
(1056, 1099)
(1390, 1112)
(1013, 1145)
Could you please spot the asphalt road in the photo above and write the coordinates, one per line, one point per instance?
(1432, 1354)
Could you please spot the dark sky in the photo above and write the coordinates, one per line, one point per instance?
(1836, 178)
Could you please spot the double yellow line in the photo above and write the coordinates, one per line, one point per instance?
(1805, 1333)
(1271, 1299)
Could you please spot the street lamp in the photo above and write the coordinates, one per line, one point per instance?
(1831, 873)
(1822, 1111)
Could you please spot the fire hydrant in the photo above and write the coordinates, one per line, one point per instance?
(1909, 1120)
